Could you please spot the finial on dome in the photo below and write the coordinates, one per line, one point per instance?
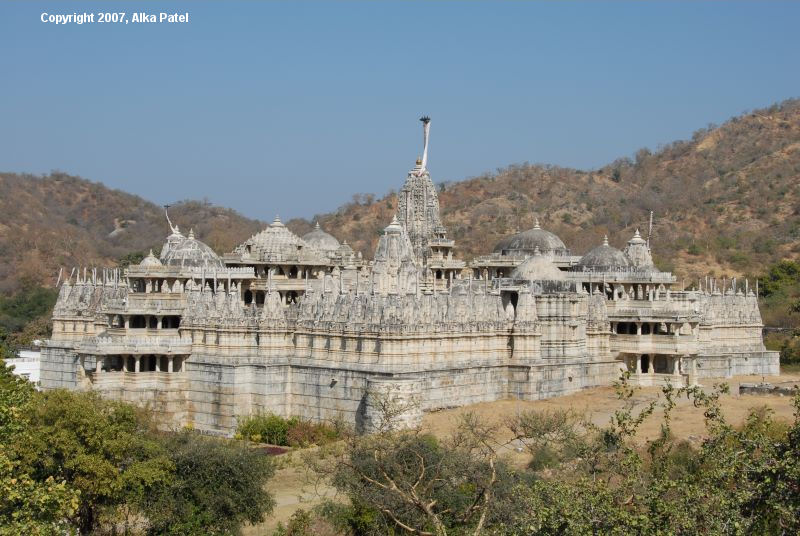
(605, 240)
(419, 161)
(277, 221)
(316, 226)
(191, 233)
(536, 252)
(636, 234)
(536, 224)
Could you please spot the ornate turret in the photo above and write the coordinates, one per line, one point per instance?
(638, 252)
(418, 209)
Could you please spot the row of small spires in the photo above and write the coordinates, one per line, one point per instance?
(711, 286)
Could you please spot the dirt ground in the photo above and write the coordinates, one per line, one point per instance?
(292, 489)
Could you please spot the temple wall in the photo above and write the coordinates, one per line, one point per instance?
(59, 367)
(220, 390)
(738, 363)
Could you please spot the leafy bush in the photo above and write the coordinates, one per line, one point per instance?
(263, 428)
(292, 432)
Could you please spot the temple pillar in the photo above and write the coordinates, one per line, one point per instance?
(158, 321)
(170, 359)
(124, 363)
(99, 365)
(158, 363)
(638, 328)
(127, 319)
(638, 365)
(138, 364)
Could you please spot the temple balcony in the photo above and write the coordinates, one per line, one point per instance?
(148, 303)
(136, 345)
(633, 276)
(674, 308)
(654, 344)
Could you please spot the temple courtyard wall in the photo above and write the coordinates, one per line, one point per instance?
(210, 393)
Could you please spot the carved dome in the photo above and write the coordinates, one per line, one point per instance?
(150, 260)
(276, 242)
(604, 257)
(537, 268)
(189, 252)
(321, 240)
(526, 243)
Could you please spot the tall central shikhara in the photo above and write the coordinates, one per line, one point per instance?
(418, 204)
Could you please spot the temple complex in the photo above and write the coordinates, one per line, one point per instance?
(305, 326)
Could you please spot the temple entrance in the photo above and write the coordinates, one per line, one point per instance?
(645, 364)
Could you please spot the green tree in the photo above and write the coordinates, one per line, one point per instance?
(27, 505)
(218, 486)
(103, 449)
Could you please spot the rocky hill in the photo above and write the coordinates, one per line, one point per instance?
(726, 201)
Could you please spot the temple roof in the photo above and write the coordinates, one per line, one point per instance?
(150, 260)
(528, 241)
(604, 257)
(537, 268)
(276, 242)
(188, 251)
(321, 240)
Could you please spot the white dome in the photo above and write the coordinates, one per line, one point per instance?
(321, 240)
(150, 260)
(538, 268)
(188, 251)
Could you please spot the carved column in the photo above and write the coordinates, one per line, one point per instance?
(138, 365)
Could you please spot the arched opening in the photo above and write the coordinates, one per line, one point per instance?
(646, 329)
(645, 363)
(260, 294)
(248, 297)
(152, 322)
(138, 322)
(438, 274)
(293, 272)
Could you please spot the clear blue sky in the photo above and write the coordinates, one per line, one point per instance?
(293, 107)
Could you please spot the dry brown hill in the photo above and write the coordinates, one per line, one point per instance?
(726, 201)
(59, 220)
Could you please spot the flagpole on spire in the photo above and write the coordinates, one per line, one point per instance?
(169, 222)
(426, 129)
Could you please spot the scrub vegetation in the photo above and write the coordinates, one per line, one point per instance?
(582, 478)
